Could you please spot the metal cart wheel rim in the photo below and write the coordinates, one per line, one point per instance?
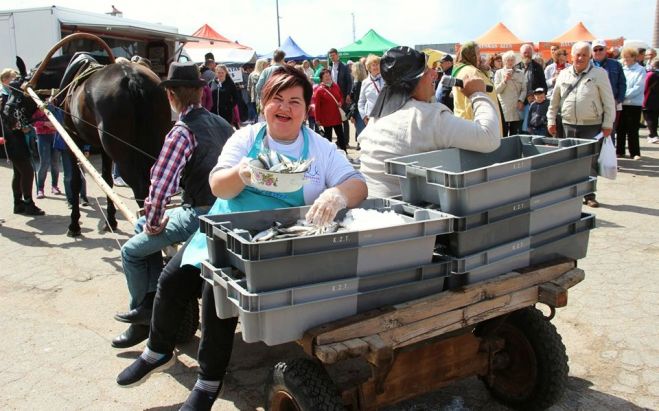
(519, 373)
(284, 401)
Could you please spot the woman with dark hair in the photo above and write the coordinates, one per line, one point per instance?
(333, 184)
(327, 100)
(225, 95)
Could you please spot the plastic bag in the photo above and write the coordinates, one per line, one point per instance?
(608, 163)
(344, 116)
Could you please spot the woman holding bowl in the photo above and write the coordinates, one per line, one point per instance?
(332, 184)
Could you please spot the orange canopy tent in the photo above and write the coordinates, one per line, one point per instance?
(498, 39)
(577, 33)
(225, 50)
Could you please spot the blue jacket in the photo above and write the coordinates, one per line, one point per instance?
(616, 77)
(635, 75)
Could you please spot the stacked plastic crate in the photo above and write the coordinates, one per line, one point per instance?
(282, 287)
(517, 206)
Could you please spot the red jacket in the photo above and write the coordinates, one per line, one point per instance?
(325, 108)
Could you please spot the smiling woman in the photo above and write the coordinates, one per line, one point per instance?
(331, 184)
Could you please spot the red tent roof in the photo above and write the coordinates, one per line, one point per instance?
(207, 32)
(216, 40)
(577, 33)
(499, 34)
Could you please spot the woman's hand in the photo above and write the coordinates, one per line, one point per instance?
(244, 171)
(326, 206)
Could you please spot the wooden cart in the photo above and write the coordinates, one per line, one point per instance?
(491, 330)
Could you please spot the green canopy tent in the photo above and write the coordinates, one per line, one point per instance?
(371, 43)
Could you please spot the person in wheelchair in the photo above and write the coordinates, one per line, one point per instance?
(189, 153)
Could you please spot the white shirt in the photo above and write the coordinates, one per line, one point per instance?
(369, 94)
(335, 71)
(329, 168)
(419, 127)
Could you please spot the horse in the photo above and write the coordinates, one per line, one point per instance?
(120, 108)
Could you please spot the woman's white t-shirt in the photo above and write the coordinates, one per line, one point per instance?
(329, 168)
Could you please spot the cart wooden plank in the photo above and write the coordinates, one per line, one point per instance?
(390, 318)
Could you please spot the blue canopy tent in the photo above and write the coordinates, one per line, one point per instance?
(292, 50)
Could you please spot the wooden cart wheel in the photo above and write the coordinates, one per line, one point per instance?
(301, 385)
(530, 372)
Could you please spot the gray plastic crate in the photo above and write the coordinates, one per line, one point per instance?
(281, 316)
(303, 260)
(569, 240)
(500, 225)
(419, 223)
(464, 182)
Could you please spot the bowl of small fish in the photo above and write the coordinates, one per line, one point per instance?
(272, 171)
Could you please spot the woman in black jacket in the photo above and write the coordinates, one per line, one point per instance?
(225, 95)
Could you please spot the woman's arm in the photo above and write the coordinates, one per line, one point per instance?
(226, 183)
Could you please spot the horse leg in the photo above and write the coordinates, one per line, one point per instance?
(106, 172)
(76, 184)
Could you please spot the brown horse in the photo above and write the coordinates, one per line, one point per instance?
(121, 109)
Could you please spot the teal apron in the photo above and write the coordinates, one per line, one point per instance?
(250, 199)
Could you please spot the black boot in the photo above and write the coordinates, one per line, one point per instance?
(19, 207)
(32, 209)
(139, 315)
(134, 335)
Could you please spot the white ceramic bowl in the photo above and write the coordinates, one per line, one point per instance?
(267, 180)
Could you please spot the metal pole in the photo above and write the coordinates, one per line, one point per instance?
(353, 27)
(278, 34)
(130, 216)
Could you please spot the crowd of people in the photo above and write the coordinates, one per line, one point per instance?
(396, 106)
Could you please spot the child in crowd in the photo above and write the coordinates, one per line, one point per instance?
(538, 113)
(524, 114)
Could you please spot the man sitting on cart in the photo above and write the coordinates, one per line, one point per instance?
(404, 122)
(332, 184)
(189, 153)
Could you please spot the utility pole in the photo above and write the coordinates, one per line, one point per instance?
(655, 37)
(353, 26)
(278, 33)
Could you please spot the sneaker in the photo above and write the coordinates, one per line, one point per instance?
(199, 400)
(55, 190)
(40, 194)
(653, 140)
(84, 201)
(354, 161)
(119, 182)
(637, 157)
(140, 370)
(32, 209)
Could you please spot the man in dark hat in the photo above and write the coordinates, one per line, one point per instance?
(189, 153)
(444, 94)
(404, 121)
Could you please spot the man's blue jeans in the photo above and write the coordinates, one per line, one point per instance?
(66, 168)
(141, 255)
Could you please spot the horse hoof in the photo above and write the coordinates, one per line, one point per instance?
(73, 234)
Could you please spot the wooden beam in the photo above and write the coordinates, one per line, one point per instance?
(399, 315)
(553, 295)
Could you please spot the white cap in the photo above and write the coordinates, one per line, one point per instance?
(598, 43)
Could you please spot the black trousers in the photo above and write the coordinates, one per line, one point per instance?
(586, 132)
(21, 183)
(651, 117)
(340, 137)
(510, 128)
(176, 286)
(627, 131)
